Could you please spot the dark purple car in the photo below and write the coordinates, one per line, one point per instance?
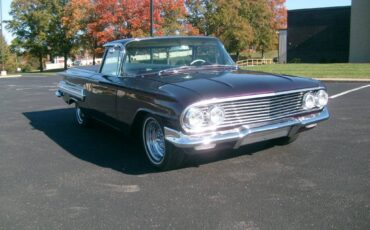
(185, 94)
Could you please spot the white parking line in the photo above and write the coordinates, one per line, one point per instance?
(348, 91)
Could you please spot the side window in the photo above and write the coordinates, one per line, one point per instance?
(112, 61)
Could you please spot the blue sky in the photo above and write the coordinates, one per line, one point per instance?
(302, 4)
(291, 5)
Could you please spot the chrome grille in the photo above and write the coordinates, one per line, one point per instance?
(265, 109)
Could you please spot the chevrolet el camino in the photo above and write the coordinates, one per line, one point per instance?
(185, 94)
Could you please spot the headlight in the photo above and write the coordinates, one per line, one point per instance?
(194, 118)
(321, 98)
(216, 115)
(203, 118)
(309, 101)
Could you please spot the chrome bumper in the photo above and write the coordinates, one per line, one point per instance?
(245, 134)
(74, 91)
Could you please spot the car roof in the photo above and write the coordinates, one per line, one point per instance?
(128, 40)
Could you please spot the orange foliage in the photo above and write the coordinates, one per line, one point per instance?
(280, 14)
(108, 20)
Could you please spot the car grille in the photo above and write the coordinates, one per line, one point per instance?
(259, 110)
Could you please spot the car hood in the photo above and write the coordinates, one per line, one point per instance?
(206, 85)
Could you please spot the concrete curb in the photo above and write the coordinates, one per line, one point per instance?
(343, 79)
(10, 76)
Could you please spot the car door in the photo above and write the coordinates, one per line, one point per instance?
(103, 87)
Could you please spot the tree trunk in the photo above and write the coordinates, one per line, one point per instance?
(263, 53)
(237, 56)
(95, 45)
(41, 64)
(94, 57)
(65, 60)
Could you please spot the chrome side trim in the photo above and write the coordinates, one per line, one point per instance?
(245, 134)
(74, 91)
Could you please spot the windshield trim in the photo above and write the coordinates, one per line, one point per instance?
(226, 56)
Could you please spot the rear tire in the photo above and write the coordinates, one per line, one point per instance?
(81, 118)
(160, 153)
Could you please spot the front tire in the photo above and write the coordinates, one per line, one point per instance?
(160, 153)
(81, 118)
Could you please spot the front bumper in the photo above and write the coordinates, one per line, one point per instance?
(245, 134)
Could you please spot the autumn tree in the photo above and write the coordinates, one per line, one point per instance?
(280, 14)
(107, 20)
(59, 37)
(240, 24)
(198, 14)
(262, 20)
(174, 16)
(78, 14)
(227, 21)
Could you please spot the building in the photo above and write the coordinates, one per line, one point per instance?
(328, 35)
(319, 35)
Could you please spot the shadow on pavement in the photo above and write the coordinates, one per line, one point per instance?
(108, 148)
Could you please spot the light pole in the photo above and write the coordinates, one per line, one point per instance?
(3, 72)
(151, 18)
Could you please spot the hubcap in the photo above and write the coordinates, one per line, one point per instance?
(154, 141)
(79, 116)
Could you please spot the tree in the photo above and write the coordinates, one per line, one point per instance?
(240, 24)
(227, 21)
(198, 14)
(30, 24)
(10, 62)
(100, 21)
(280, 14)
(78, 14)
(261, 18)
(59, 37)
(224, 19)
(174, 17)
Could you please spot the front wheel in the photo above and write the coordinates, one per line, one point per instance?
(159, 152)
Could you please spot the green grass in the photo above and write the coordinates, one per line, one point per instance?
(318, 70)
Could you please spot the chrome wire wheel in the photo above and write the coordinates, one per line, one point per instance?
(80, 116)
(154, 142)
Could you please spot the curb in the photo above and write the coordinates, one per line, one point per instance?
(10, 76)
(344, 80)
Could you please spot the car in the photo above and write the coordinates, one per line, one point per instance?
(181, 95)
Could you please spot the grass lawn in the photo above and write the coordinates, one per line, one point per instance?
(318, 70)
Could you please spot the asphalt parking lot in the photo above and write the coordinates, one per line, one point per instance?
(55, 175)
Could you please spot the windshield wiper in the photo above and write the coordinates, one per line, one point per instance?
(221, 66)
(203, 67)
(176, 69)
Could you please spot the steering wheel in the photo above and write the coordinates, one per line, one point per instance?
(200, 61)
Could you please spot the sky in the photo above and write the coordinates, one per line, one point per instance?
(304, 4)
(290, 4)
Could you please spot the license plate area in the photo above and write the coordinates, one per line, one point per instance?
(264, 136)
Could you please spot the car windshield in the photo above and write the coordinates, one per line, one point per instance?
(166, 54)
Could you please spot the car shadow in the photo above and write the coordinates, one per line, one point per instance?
(106, 147)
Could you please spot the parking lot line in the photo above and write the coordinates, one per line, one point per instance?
(348, 91)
